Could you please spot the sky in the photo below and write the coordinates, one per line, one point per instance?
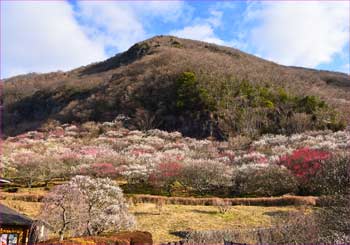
(45, 36)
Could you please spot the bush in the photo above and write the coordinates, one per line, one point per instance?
(333, 178)
(177, 189)
(11, 189)
(333, 219)
(304, 163)
(165, 175)
(206, 176)
(252, 110)
(296, 227)
(100, 170)
(265, 181)
(190, 96)
(223, 205)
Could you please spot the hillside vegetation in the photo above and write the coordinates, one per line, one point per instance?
(175, 84)
(162, 163)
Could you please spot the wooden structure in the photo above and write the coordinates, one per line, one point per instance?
(14, 227)
(4, 181)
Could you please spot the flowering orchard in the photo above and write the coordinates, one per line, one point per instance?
(157, 158)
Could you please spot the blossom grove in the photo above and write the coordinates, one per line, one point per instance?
(158, 158)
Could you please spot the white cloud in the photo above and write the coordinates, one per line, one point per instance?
(198, 32)
(215, 19)
(346, 68)
(303, 34)
(42, 37)
(202, 29)
(47, 36)
(118, 25)
(168, 11)
(111, 24)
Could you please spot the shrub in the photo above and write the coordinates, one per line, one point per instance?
(265, 181)
(333, 178)
(176, 44)
(178, 189)
(11, 189)
(333, 219)
(165, 174)
(206, 176)
(160, 205)
(100, 170)
(190, 96)
(304, 162)
(223, 205)
(27, 167)
(296, 227)
(251, 109)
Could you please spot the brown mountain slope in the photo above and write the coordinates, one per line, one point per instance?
(178, 84)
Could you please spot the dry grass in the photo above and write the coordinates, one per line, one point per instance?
(23, 196)
(174, 218)
(256, 201)
(30, 209)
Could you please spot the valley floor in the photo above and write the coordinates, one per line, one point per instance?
(165, 223)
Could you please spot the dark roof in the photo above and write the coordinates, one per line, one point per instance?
(9, 216)
(2, 180)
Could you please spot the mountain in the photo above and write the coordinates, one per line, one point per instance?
(170, 83)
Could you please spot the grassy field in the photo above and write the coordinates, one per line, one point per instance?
(185, 217)
(174, 218)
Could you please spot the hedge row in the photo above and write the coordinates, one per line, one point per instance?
(258, 201)
(22, 197)
(212, 201)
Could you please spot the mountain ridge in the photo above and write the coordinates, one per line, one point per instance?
(143, 81)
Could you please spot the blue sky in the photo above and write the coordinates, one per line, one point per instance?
(43, 36)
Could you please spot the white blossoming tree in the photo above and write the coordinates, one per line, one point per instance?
(60, 209)
(87, 206)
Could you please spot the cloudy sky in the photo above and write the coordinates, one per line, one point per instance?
(42, 36)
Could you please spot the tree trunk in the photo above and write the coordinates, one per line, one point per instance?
(61, 235)
(88, 222)
(64, 224)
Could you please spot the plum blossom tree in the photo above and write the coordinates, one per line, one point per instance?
(334, 216)
(304, 162)
(165, 174)
(100, 170)
(203, 175)
(59, 209)
(28, 167)
(86, 206)
(104, 201)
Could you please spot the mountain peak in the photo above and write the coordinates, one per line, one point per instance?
(153, 45)
(179, 84)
